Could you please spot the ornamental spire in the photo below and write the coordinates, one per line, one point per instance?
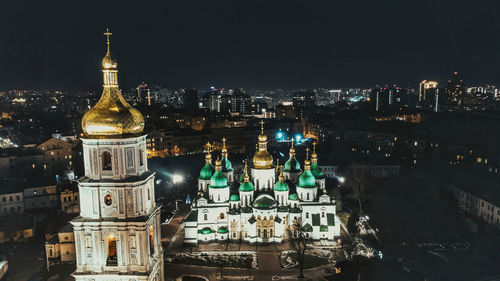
(107, 33)
(208, 156)
(281, 177)
(307, 162)
(224, 149)
(314, 156)
(246, 177)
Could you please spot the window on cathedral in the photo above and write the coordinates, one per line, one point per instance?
(205, 216)
(141, 158)
(307, 196)
(112, 258)
(221, 216)
(151, 240)
(307, 215)
(108, 200)
(322, 214)
(106, 161)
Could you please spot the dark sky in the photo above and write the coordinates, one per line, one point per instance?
(252, 44)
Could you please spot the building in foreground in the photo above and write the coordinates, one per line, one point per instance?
(117, 235)
(261, 209)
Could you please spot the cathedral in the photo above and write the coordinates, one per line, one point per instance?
(262, 209)
(117, 235)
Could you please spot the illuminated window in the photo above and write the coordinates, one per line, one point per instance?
(112, 258)
(106, 161)
(108, 200)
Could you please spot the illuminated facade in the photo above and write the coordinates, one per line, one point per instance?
(425, 88)
(117, 235)
(261, 210)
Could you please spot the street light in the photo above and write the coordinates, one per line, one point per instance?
(176, 180)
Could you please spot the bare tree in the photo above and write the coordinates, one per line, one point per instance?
(299, 240)
(358, 182)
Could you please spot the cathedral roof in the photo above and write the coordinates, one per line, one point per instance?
(292, 165)
(316, 171)
(226, 165)
(234, 197)
(262, 159)
(264, 201)
(246, 186)
(307, 180)
(281, 185)
(112, 116)
(218, 180)
(206, 172)
(293, 196)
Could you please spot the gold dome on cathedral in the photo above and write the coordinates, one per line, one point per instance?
(112, 116)
(262, 159)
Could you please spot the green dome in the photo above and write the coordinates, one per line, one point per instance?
(222, 229)
(205, 230)
(292, 165)
(206, 172)
(218, 180)
(234, 197)
(226, 165)
(281, 186)
(264, 201)
(307, 180)
(316, 171)
(246, 186)
(293, 196)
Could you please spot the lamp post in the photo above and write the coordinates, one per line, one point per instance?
(176, 180)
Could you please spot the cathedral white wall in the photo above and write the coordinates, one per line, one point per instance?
(263, 179)
(128, 157)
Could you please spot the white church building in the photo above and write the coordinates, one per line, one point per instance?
(117, 235)
(269, 204)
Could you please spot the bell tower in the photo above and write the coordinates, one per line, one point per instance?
(117, 235)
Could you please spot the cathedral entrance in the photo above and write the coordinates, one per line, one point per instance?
(112, 258)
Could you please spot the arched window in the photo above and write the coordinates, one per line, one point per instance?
(258, 234)
(265, 233)
(307, 196)
(221, 216)
(141, 157)
(112, 257)
(106, 161)
(151, 240)
(270, 233)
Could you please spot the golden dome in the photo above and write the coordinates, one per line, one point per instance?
(262, 159)
(112, 115)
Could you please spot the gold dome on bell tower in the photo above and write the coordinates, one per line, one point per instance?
(112, 116)
(262, 159)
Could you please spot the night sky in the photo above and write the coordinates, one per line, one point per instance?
(252, 44)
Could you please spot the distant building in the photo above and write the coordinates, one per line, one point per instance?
(58, 155)
(11, 200)
(481, 201)
(68, 197)
(60, 247)
(42, 196)
(455, 93)
(190, 99)
(426, 88)
(384, 97)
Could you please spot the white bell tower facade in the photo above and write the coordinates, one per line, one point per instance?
(117, 235)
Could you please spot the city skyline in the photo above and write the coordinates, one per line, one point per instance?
(251, 46)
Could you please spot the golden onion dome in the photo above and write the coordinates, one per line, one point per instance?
(112, 116)
(262, 159)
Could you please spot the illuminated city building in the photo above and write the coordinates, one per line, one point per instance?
(426, 87)
(262, 209)
(117, 235)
